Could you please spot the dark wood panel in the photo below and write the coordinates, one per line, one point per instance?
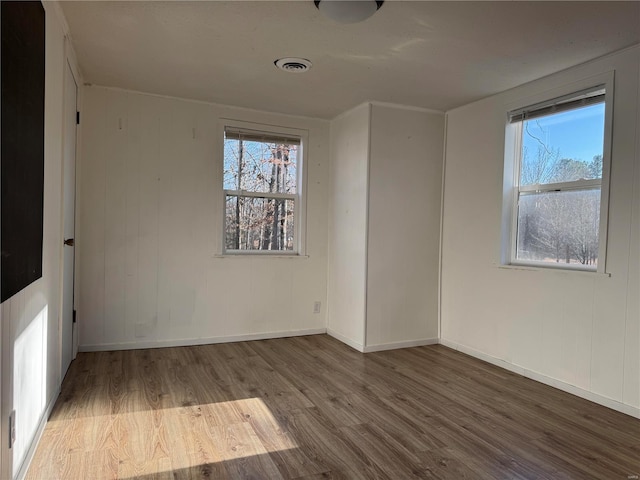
(312, 408)
(22, 136)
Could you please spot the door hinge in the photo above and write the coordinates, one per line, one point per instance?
(74, 316)
(77, 118)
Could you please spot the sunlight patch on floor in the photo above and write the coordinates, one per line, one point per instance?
(184, 436)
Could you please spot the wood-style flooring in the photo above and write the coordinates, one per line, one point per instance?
(312, 408)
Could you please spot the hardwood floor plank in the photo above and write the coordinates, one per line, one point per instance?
(386, 452)
(399, 424)
(338, 411)
(296, 463)
(443, 464)
(192, 443)
(107, 461)
(244, 454)
(592, 462)
(479, 454)
(327, 445)
(312, 408)
(327, 476)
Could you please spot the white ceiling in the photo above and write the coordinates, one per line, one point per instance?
(430, 54)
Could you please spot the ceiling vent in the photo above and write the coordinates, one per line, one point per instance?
(293, 65)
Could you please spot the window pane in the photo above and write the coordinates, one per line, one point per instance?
(559, 227)
(563, 147)
(260, 166)
(259, 223)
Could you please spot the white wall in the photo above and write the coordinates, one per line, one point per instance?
(348, 226)
(384, 227)
(150, 222)
(30, 319)
(577, 331)
(405, 185)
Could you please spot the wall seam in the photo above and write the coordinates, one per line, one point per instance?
(366, 227)
(444, 169)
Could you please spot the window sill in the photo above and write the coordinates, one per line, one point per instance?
(565, 271)
(290, 256)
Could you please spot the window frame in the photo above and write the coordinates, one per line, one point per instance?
(299, 198)
(512, 190)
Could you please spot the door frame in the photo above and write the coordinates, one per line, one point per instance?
(71, 63)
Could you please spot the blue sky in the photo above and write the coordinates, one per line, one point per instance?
(578, 134)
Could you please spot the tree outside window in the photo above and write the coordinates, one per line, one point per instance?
(261, 177)
(559, 185)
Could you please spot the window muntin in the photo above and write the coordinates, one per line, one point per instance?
(261, 182)
(559, 181)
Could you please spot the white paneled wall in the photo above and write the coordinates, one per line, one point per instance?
(150, 223)
(348, 226)
(577, 331)
(631, 379)
(405, 187)
(384, 232)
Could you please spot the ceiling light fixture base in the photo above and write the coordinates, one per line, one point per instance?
(348, 11)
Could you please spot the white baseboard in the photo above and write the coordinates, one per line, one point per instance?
(404, 344)
(185, 342)
(22, 472)
(552, 382)
(355, 345)
(484, 357)
(381, 346)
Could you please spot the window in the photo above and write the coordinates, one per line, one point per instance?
(560, 177)
(261, 182)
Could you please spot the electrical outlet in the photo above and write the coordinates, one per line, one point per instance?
(12, 428)
(316, 307)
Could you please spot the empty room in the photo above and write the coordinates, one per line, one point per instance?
(320, 239)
